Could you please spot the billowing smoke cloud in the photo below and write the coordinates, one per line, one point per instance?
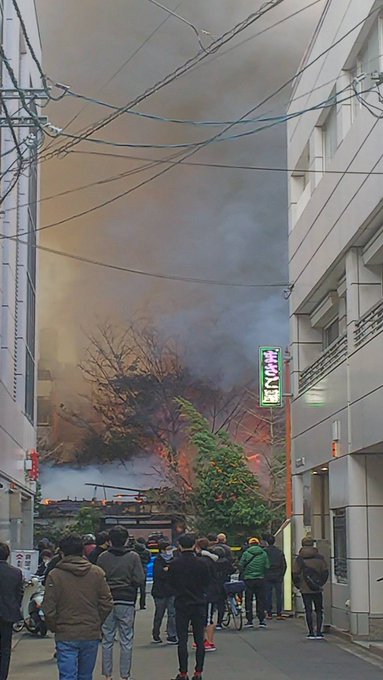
(57, 483)
(199, 222)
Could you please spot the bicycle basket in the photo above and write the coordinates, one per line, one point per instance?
(234, 587)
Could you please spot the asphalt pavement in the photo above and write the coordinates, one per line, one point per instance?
(280, 652)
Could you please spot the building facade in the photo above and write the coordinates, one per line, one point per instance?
(18, 283)
(336, 314)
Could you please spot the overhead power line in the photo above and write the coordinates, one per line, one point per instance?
(30, 46)
(121, 67)
(273, 121)
(228, 166)
(194, 28)
(211, 139)
(153, 275)
(222, 40)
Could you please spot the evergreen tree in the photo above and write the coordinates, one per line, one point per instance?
(226, 492)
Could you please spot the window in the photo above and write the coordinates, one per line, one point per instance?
(369, 60)
(330, 135)
(44, 411)
(340, 545)
(31, 290)
(330, 333)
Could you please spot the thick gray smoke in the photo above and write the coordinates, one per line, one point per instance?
(58, 482)
(199, 222)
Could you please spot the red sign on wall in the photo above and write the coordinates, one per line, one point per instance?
(34, 471)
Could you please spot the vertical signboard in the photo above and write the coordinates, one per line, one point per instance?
(270, 376)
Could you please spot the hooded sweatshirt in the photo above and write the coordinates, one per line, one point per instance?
(254, 563)
(77, 600)
(124, 573)
(312, 559)
(211, 560)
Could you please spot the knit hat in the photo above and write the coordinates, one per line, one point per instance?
(253, 541)
(307, 542)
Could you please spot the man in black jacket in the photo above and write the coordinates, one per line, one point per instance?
(145, 556)
(189, 578)
(102, 544)
(163, 594)
(274, 577)
(11, 593)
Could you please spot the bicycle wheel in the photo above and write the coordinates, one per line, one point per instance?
(238, 619)
(226, 616)
(236, 613)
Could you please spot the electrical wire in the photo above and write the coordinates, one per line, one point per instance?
(20, 92)
(151, 90)
(368, 105)
(127, 192)
(119, 69)
(199, 123)
(30, 47)
(153, 275)
(277, 120)
(185, 21)
(10, 125)
(209, 123)
(226, 37)
(141, 184)
(179, 161)
(255, 35)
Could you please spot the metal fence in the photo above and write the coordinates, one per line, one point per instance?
(369, 324)
(332, 356)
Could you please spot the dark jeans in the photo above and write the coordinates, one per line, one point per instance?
(196, 615)
(5, 648)
(277, 586)
(143, 595)
(76, 659)
(221, 609)
(164, 604)
(309, 600)
(255, 586)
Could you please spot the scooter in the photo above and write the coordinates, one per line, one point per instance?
(33, 616)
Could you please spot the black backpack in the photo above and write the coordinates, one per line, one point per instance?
(314, 579)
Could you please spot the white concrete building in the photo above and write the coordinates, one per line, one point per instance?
(19, 214)
(336, 266)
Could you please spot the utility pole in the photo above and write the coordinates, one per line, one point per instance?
(288, 395)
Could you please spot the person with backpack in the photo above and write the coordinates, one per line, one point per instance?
(253, 567)
(310, 574)
(274, 577)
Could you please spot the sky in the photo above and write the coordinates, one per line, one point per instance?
(201, 222)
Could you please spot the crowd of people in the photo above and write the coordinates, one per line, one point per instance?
(92, 585)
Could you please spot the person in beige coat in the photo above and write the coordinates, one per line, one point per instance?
(76, 603)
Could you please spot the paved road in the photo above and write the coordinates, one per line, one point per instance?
(279, 653)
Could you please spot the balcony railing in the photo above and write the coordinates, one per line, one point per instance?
(333, 356)
(369, 325)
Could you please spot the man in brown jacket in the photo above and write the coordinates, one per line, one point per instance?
(310, 573)
(76, 603)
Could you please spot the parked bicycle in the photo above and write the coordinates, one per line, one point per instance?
(233, 605)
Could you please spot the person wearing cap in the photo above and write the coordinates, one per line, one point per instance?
(222, 542)
(253, 566)
(310, 573)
